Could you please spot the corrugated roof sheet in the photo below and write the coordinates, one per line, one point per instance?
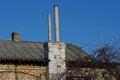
(34, 51)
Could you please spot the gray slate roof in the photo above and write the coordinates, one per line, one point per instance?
(33, 51)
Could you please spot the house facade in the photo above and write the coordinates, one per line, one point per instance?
(24, 60)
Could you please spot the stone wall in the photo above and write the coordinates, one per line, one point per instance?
(95, 74)
(22, 72)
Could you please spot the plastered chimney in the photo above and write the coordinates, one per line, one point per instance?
(16, 37)
(56, 17)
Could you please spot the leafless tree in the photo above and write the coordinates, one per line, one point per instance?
(108, 52)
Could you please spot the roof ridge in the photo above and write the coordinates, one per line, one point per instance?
(24, 41)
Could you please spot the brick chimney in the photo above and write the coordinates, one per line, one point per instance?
(16, 37)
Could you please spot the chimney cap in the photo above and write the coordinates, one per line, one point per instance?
(15, 33)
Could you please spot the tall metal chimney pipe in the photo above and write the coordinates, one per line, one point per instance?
(56, 17)
(49, 28)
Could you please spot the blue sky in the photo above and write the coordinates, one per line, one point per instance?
(82, 22)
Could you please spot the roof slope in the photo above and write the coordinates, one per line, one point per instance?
(33, 51)
(10, 50)
(75, 53)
